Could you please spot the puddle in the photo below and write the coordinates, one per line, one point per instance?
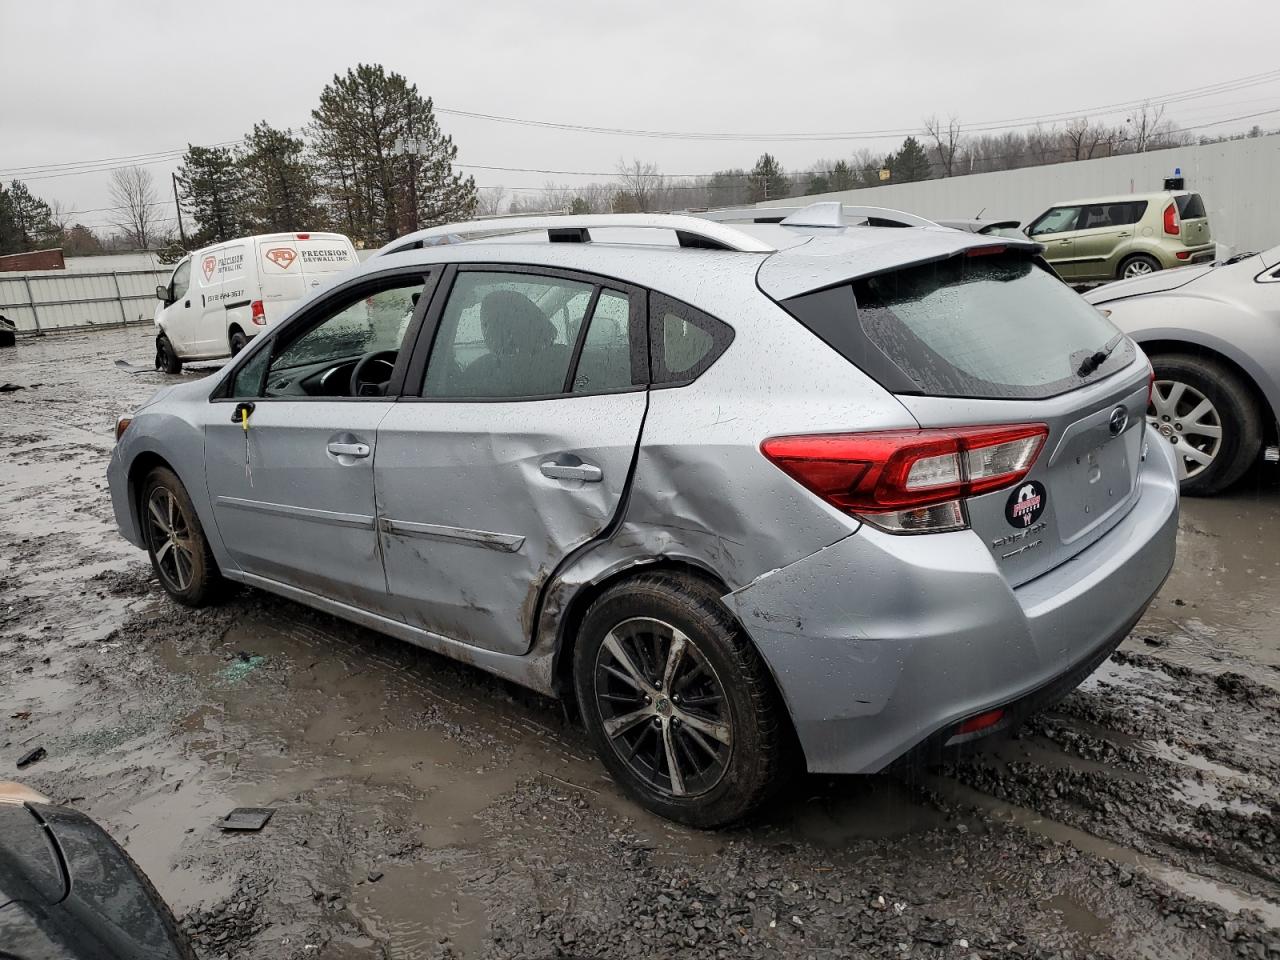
(416, 907)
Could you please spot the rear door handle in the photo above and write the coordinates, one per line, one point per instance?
(348, 449)
(587, 472)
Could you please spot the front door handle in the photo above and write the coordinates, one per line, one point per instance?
(348, 449)
(587, 472)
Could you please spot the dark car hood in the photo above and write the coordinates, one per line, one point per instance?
(1157, 282)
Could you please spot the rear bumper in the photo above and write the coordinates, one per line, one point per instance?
(882, 644)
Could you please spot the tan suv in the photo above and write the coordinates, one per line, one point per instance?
(1130, 236)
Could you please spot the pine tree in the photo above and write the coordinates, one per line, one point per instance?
(910, 163)
(211, 191)
(385, 166)
(727, 188)
(279, 184)
(818, 183)
(31, 219)
(767, 180)
(10, 236)
(843, 177)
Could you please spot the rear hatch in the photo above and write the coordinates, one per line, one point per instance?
(1194, 219)
(990, 337)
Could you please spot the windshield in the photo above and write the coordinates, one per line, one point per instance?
(995, 327)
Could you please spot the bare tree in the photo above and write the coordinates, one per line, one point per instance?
(638, 186)
(134, 194)
(491, 201)
(946, 142)
(1148, 127)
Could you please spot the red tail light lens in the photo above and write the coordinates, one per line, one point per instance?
(909, 481)
(1171, 226)
(983, 721)
(1183, 254)
(258, 313)
(303, 236)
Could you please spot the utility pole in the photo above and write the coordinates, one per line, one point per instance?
(182, 234)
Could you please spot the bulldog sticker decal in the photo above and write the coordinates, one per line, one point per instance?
(1025, 504)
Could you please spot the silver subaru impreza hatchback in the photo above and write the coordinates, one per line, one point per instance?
(788, 491)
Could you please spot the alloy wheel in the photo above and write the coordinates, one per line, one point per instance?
(1137, 268)
(663, 707)
(169, 535)
(1188, 420)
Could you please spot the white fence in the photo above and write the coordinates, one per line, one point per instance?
(1239, 181)
(58, 299)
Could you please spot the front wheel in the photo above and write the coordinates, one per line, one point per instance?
(1139, 265)
(166, 358)
(1208, 417)
(179, 550)
(677, 701)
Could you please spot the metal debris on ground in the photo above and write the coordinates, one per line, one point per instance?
(32, 756)
(246, 818)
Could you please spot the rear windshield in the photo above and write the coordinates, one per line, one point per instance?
(1190, 206)
(995, 326)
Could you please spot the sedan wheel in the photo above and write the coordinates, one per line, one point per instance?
(1188, 420)
(180, 553)
(663, 707)
(1209, 417)
(680, 707)
(170, 539)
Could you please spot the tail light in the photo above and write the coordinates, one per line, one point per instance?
(258, 313)
(303, 236)
(909, 481)
(1183, 254)
(1171, 220)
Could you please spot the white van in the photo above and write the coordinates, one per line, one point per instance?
(222, 295)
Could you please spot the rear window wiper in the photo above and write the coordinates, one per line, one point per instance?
(1099, 357)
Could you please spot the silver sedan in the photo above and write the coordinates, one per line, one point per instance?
(1213, 335)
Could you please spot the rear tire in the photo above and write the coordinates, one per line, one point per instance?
(1183, 383)
(176, 543)
(1138, 265)
(166, 358)
(237, 341)
(710, 709)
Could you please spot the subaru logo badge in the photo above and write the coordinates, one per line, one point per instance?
(1119, 420)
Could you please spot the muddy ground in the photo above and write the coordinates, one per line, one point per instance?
(424, 809)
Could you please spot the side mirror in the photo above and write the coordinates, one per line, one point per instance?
(162, 294)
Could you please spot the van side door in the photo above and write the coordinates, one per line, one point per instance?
(177, 318)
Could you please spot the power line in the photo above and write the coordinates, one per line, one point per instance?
(73, 168)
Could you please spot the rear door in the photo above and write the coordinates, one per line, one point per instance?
(1054, 228)
(1195, 219)
(516, 451)
(1101, 231)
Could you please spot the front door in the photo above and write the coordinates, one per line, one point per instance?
(293, 495)
(180, 319)
(1054, 229)
(517, 451)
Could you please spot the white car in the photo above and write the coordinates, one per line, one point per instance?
(221, 296)
(1213, 335)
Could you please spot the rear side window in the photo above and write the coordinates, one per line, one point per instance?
(683, 341)
(992, 327)
(1190, 206)
(1112, 214)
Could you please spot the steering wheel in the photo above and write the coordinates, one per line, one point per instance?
(360, 387)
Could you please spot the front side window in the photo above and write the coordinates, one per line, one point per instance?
(506, 335)
(181, 281)
(1057, 220)
(321, 360)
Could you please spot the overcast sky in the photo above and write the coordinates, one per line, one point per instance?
(94, 79)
